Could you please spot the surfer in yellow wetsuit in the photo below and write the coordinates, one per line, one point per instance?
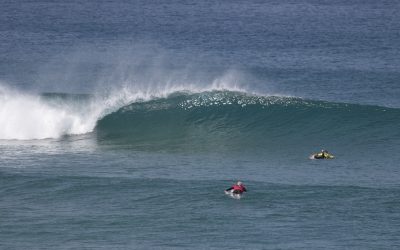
(323, 155)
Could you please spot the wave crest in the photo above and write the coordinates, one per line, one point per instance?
(26, 116)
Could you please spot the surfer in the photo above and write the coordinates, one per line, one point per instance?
(237, 188)
(323, 155)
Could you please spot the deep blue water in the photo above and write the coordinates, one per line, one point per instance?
(122, 122)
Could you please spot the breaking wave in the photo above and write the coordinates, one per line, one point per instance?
(215, 117)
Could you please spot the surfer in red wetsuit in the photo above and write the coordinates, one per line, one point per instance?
(237, 188)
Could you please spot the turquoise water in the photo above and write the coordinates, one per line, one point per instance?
(121, 124)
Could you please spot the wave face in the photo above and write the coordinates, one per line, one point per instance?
(239, 121)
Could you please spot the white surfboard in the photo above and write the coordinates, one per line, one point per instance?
(233, 195)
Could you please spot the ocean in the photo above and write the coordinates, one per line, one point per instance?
(123, 122)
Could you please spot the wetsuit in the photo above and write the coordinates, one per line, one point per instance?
(320, 156)
(237, 189)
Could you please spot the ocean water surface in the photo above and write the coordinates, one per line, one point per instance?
(122, 122)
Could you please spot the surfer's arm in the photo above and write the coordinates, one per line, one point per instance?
(229, 189)
(244, 189)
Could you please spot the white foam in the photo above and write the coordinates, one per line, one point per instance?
(26, 116)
